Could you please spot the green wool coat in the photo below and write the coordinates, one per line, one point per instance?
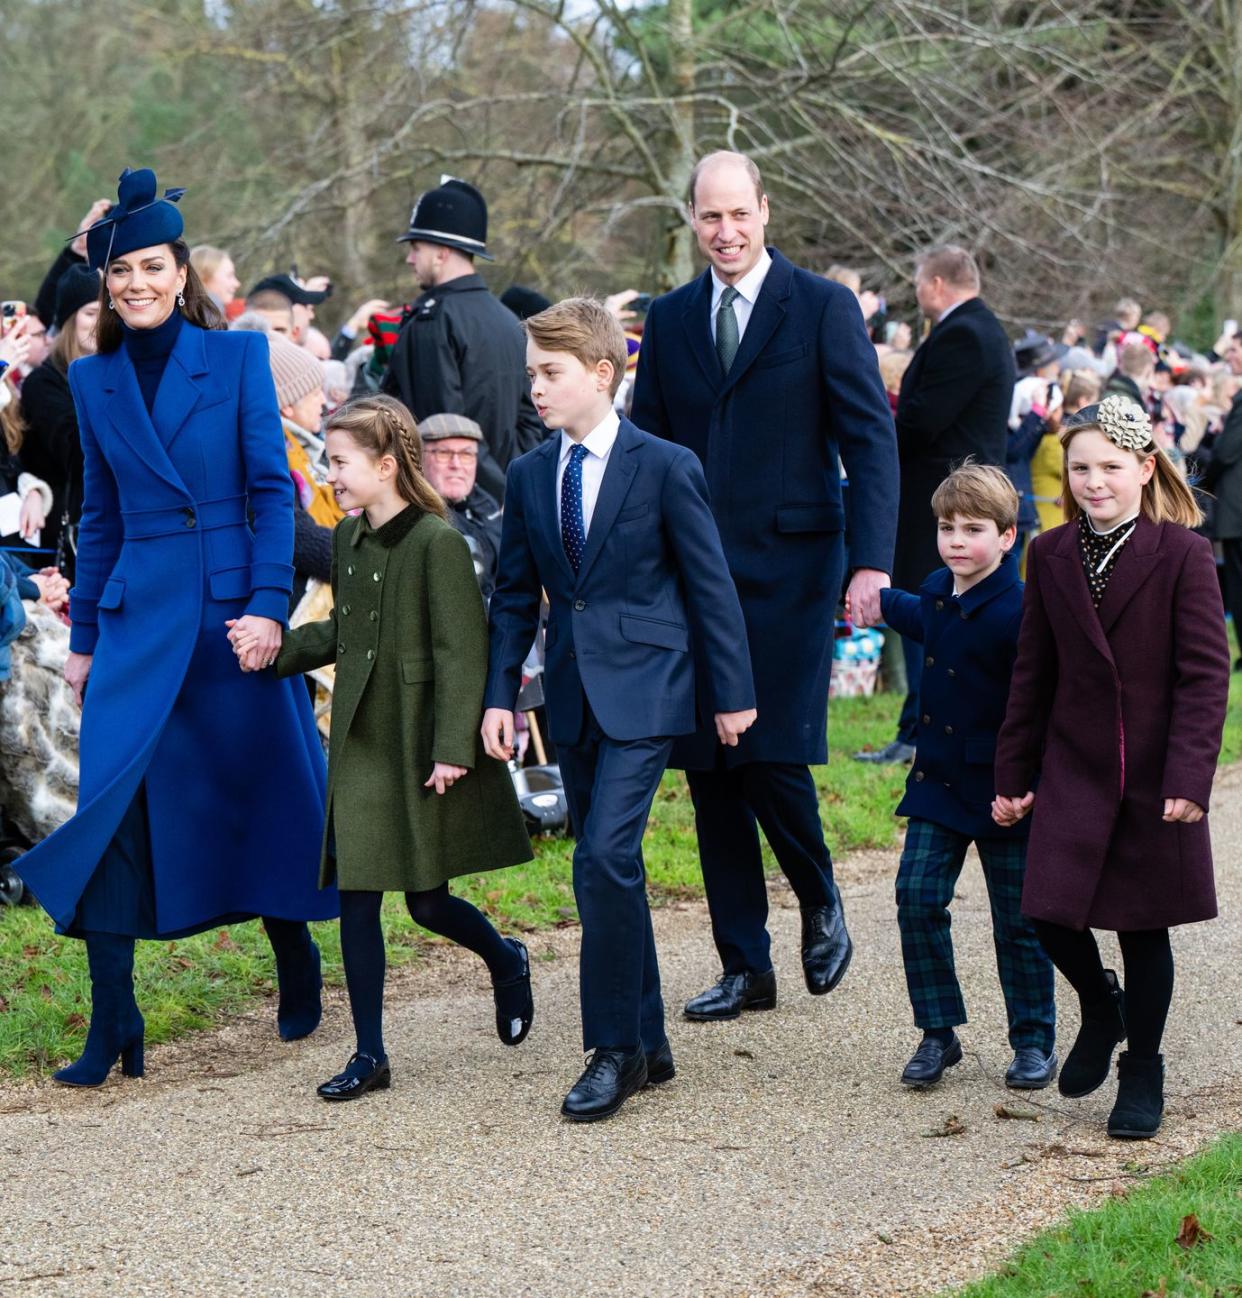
(408, 635)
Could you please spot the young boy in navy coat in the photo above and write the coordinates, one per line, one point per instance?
(966, 616)
(614, 524)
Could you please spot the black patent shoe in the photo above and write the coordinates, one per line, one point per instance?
(512, 1028)
(733, 994)
(1031, 1069)
(362, 1074)
(927, 1064)
(609, 1080)
(826, 947)
(660, 1067)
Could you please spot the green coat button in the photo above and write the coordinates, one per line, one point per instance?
(375, 576)
(350, 570)
(344, 610)
(374, 616)
(340, 648)
(370, 653)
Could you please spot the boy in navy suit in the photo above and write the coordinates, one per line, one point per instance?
(615, 526)
(966, 617)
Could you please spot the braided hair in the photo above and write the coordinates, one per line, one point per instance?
(381, 425)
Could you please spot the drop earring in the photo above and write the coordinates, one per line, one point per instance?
(111, 306)
(181, 300)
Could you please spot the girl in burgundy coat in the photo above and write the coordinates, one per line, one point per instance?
(1115, 712)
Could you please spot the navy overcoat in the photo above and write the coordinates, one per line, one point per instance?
(1116, 711)
(187, 521)
(803, 393)
(969, 646)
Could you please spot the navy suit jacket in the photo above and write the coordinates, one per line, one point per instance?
(802, 394)
(653, 583)
(970, 645)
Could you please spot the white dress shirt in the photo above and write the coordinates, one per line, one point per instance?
(599, 443)
(747, 291)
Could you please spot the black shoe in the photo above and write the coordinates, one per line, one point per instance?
(1103, 1027)
(609, 1080)
(927, 1064)
(733, 994)
(1140, 1098)
(898, 753)
(1031, 1069)
(660, 1065)
(826, 947)
(512, 1028)
(362, 1074)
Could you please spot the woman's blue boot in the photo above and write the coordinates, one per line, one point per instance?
(116, 1025)
(298, 977)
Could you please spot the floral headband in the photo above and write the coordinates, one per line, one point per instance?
(1124, 423)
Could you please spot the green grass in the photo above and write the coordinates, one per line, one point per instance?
(189, 985)
(1128, 1247)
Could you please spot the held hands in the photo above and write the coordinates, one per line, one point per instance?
(730, 726)
(255, 641)
(498, 733)
(862, 600)
(1183, 810)
(53, 588)
(1008, 811)
(444, 775)
(77, 669)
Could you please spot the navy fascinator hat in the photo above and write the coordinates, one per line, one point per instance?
(138, 219)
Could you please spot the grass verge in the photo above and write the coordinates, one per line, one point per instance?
(1142, 1245)
(189, 985)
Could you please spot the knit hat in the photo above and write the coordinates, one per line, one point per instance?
(437, 427)
(295, 371)
(524, 302)
(77, 287)
(136, 220)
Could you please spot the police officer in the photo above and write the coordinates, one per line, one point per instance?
(451, 447)
(460, 351)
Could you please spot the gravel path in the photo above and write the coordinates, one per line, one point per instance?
(784, 1160)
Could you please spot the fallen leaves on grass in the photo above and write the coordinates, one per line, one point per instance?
(1016, 1111)
(1192, 1233)
(951, 1126)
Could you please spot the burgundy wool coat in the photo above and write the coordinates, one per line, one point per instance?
(1112, 712)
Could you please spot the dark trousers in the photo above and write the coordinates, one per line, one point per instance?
(1231, 549)
(730, 806)
(930, 865)
(908, 722)
(609, 786)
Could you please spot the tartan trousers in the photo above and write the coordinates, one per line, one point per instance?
(931, 862)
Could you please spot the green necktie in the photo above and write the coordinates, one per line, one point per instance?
(726, 329)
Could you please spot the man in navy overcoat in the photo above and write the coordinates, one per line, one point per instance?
(766, 372)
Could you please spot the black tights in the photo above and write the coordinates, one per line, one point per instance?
(362, 950)
(1147, 979)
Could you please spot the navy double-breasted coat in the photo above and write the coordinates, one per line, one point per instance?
(1115, 711)
(802, 394)
(187, 521)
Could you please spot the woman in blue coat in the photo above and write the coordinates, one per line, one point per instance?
(202, 786)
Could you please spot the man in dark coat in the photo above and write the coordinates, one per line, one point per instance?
(954, 402)
(460, 351)
(1224, 480)
(766, 372)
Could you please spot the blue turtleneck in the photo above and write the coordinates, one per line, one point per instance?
(149, 350)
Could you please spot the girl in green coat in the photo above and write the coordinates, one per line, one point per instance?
(413, 801)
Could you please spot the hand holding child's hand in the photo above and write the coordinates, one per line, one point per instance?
(444, 775)
(730, 726)
(863, 596)
(498, 733)
(1183, 810)
(1008, 811)
(255, 641)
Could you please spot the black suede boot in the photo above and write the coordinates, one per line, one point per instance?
(1140, 1097)
(1087, 1065)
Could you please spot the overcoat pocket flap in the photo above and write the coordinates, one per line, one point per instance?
(649, 630)
(979, 752)
(230, 583)
(827, 517)
(113, 593)
(785, 357)
(628, 515)
(414, 670)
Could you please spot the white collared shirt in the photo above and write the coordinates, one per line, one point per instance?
(747, 292)
(599, 442)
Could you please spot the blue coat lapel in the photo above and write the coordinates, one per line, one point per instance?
(180, 390)
(767, 314)
(546, 503)
(697, 324)
(618, 475)
(127, 413)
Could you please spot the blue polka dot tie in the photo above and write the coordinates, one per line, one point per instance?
(573, 526)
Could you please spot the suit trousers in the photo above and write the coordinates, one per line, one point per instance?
(730, 806)
(1231, 550)
(609, 786)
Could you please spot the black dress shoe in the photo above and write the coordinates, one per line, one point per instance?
(1031, 1069)
(826, 947)
(609, 1080)
(514, 1019)
(660, 1065)
(927, 1064)
(362, 1074)
(898, 753)
(733, 994)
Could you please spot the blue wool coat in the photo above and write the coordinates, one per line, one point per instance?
(970, 645)
(234, 770)
(803, 394)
